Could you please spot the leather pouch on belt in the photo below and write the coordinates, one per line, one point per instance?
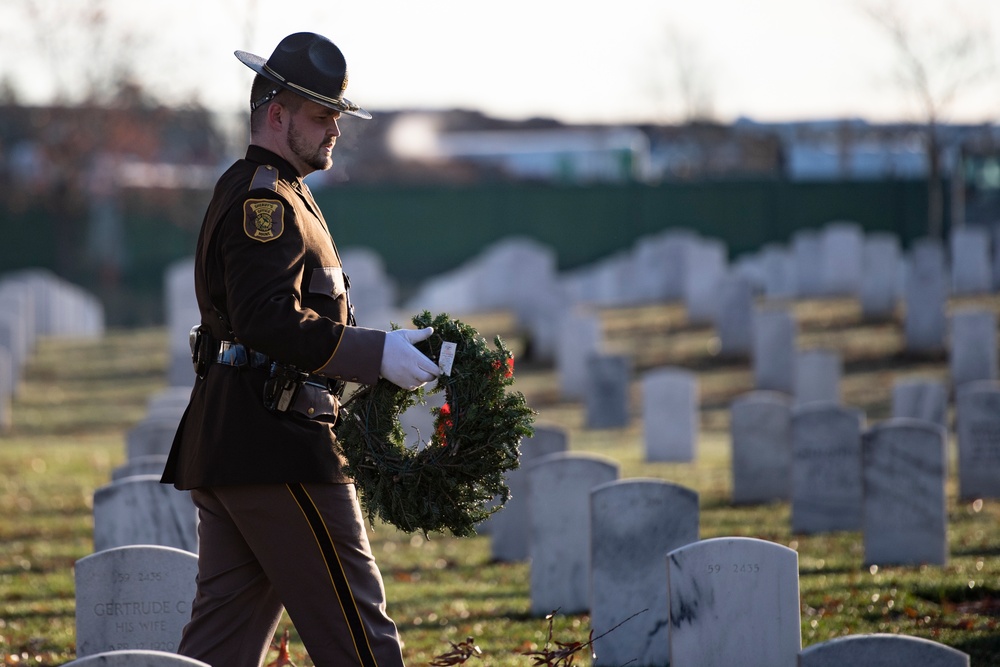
(314, 401)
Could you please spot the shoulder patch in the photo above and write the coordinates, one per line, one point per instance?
(265, 177)
(263, 219)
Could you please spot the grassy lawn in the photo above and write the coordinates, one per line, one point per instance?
(79, 399)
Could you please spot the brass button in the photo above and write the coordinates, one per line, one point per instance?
(311, 410)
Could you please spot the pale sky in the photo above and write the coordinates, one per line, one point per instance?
(574, 60)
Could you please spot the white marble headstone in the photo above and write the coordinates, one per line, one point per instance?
(925, 297)
(881, 650)
(141, 465)
(774, 349)
(580, 336)
(152, 436)
(826, 468)
(136, 597)
(373, 291)
(606, 401)
(817, 376)
(704, 271)
(972, 346)
(880, 288)
(842, 244)
(671, 422)
(760, 429)
(181, 314)
(807, 253)
(6, 392)
(971, 262)
(920, 398)
(136, 658)
(559, 487)
(778, 266)
(734, 323)
(905, 514)
(977, 426)
(508, 528)
(141, 510)
(633, 524)
(734, 601)
(417, 420)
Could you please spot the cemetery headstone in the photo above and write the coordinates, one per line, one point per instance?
(905, 514)
(774, 349)
(971, 264)
(670, 416)
(579, 337)
(373, 291)
(779, 272)
(508, 528)
(704, 270)
(881, 650)
(181, 314)
(842, 244)
(817, 376)
(135, 597)
(760, 430)
(607, 394)
(925, 295)
(12, 333)
(734, 601)
(151, 436)
(920, 398)
(141, 465)
(664, 257)
(542, 319)
(137, 658)
(880, 280)
(807, 252)
(559, 489)
(826, 468)
(977, 426)
(973, 345)
(735, 321)
(417, 421)
(168, 403)
(140, 510)
(634, 523)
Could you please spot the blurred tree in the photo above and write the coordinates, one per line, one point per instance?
(680, 76)
(936, 63)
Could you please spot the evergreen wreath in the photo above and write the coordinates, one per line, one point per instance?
(456, 480)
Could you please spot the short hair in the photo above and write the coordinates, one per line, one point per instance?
(263, 87)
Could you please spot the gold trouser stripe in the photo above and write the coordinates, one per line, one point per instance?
(338, 578)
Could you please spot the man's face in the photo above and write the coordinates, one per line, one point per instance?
(312, 133)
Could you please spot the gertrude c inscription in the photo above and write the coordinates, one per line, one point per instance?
(136, 597)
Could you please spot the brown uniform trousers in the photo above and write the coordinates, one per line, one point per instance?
(334, 595)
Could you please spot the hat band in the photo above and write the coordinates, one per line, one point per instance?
(333, 100)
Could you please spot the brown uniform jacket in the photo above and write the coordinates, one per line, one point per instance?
(267, 275)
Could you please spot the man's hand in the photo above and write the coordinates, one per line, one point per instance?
(403, 364)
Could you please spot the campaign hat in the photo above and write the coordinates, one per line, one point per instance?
(309, 65)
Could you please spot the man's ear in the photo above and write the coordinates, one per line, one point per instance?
(276, 115)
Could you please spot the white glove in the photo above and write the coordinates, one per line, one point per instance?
(403, 364)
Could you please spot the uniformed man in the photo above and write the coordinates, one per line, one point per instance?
(280, 526)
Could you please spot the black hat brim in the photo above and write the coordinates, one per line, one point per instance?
(258, 64)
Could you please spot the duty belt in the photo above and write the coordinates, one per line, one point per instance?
(287, 388)
(234, 354)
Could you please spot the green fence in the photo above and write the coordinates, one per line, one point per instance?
(420, 231)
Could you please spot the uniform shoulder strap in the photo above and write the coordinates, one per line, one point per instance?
(266, 178)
